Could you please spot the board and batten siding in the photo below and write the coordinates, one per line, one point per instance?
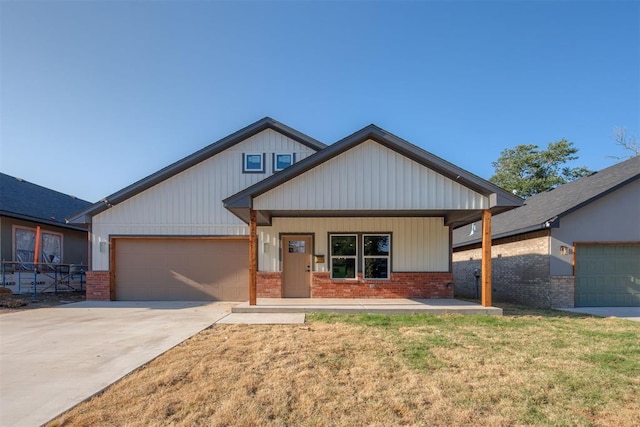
(190, 203)
(370, 176)
(417, 244)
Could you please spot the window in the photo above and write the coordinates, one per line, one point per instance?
(253, 163)
(25, 246)
(376, 249)
(50, 251)
(283, 160)
(344, 255)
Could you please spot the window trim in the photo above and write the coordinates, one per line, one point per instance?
(245, 157)
(365, 257)
(274, 160)
(354, 257)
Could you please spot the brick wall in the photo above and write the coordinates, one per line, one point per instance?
(562, 291)
(401, 285)
(269, 284)
(98, 288)
(520, 270)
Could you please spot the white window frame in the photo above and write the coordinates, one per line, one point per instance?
(275, 160)
(365, 257)
(332, 257)
(245, 157)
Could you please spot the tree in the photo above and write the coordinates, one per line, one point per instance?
(627, 142)
(527, 170)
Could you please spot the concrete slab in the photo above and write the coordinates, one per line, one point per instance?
(628, 313)
(262, 319)
(53, 358)
(379, 306)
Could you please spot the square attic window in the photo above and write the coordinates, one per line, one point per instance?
(283, 160)
(253, 163)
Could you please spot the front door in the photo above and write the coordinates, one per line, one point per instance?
(296, 266)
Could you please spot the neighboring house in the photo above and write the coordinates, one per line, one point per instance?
(575, 245)
(33, 217)
(369, 216)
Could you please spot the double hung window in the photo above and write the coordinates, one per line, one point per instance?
(344, 256)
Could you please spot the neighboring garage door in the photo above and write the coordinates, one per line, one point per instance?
(607, 275)
(159, 269)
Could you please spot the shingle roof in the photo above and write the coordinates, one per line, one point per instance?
(540, 211)
(24, 200)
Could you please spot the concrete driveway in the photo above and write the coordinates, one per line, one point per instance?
(53, 358)
(628, 313)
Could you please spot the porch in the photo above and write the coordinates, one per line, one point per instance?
(366, 305)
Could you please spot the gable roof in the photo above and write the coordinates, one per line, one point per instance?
(211, 150)
(24, 200)
(500, 200)
(544, 209)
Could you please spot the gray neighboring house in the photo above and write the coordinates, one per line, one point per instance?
(576, 245)
(23, 208)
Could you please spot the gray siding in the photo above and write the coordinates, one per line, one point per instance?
(613, 218)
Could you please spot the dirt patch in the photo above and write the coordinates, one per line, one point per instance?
(18, 302)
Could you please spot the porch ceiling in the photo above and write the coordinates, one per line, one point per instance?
(452, 218)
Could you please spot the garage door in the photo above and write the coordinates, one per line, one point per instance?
(608, 275)
(181, 269)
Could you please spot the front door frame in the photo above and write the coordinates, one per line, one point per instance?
(310, 253)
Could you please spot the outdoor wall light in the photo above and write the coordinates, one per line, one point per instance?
(104, 246)
(565, 250)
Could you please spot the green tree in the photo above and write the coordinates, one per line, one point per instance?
(527, 170)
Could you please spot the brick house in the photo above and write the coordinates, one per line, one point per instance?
(575, 245)
(271, 212)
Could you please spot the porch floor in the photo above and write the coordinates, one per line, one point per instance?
(365, 305)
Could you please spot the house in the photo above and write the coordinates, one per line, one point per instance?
(271, 212)
(33, 230)
(576, 245)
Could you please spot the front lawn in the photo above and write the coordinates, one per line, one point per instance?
(527, 368)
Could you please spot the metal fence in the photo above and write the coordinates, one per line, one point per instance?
(25, 278)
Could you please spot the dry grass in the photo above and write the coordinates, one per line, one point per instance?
(386, 370)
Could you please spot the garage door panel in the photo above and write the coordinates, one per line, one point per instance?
(182, 269)
(607, 275)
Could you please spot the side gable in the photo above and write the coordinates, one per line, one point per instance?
(267, 123)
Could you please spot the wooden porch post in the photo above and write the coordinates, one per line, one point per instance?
(253, 256)
(486, 258)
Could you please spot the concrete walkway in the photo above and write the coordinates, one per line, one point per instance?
(53, 358)
(354, 305)
(628, 313)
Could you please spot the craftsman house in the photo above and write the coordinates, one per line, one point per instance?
(271, 212)
(576, 245)
(35, 236)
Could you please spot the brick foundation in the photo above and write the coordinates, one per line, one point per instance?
(98, 286)
(401, 285)
(269, 284)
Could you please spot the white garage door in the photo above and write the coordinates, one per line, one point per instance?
(177, 269)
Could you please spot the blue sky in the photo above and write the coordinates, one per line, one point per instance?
(95, 95)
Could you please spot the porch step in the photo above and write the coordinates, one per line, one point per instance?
(370, 306)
